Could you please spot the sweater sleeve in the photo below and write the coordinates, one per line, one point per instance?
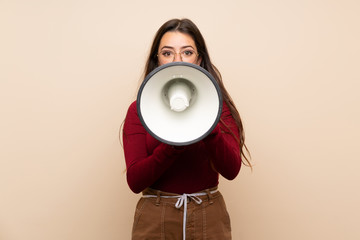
(223, 147)
(143, 168)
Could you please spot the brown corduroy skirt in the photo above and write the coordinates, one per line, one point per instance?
(161, 215)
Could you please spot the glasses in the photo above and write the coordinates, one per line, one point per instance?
(167, 56)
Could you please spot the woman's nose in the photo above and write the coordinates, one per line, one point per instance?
(177, 57)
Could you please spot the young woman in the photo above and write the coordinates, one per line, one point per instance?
(179, 184)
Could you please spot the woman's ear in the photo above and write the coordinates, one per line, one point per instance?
(198, 61)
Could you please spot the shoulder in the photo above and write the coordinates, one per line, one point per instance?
(132, 111)
(132, 122)
(132, 108)
(224, 105)
(133, 105)
(225, 109)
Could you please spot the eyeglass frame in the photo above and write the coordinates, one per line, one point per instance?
(175, 53)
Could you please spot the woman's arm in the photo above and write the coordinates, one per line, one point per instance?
(143, 168)
(224, 148)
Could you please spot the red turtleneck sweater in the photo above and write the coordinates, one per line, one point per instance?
(193, 168)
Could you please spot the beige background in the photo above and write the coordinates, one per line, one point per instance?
(69, 69)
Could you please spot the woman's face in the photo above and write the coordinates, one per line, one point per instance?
(177, 47)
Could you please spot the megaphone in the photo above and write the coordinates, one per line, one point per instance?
(179, 103)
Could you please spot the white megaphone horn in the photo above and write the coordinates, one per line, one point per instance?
(179, 103)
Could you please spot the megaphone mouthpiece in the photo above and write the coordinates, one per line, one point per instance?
(179, 94)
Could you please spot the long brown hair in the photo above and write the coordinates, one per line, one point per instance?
(188, 27)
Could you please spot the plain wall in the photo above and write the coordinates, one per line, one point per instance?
(69, 69)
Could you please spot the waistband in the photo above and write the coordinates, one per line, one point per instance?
(151, 191)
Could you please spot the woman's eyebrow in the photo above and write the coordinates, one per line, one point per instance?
(167, 47)
(187, 46)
